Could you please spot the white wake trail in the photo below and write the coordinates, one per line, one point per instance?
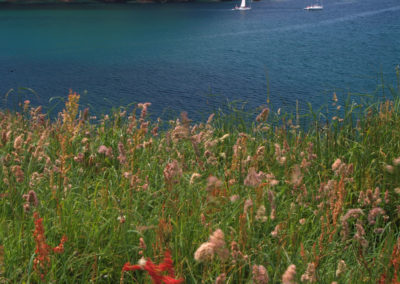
(310, 25)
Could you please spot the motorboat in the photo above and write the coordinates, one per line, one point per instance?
(314, 7)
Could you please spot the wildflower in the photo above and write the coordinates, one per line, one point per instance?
(389, 169)
(396, 161)
(336, 165)
(235, 252)
(247, 204)
(253, 178)
(370, 198)
(144, 107)
(217, 239)
(212, 160)
(276, 231)
(373, 213)
(180, 132)
(41, 263)
(121, 219)
(210, 118)
(302, 221)
(172, 172)
(18, 173)
(18, 142)
(60, 247)
(213, 183)
(359, 236)
(341, 268)
(147, 144)
(335, 99)
(142, 262)
(355, 213)
(296, 176)
(107, 151)
(122, 155)
(223, 137)
(289, 275)
(351, 213)
(142, 246)
(282, 160)
(305, 164)
(260, 274)
(260, 216)
(221, 279)
(30, 198)
(204, 252)
(156, 271)
(273, 182)
(145, 186)
(263, 115)
(26, 207)
(71, 110)
(79, 158)
(154, 131)
(397, 190)
(232, 181)
(216, 244)
(260, 152)
(309, 275)
(234, 198)
(193, 177)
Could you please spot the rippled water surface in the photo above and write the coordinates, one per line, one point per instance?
(193, 56)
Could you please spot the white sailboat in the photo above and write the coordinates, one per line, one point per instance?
(242, 6)
(315, 7)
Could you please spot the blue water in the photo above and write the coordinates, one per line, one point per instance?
(194, 56)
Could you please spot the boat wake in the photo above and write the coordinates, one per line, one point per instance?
(308, 26)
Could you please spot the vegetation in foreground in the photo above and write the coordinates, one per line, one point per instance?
(214, 202)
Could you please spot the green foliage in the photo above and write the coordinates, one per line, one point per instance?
(106, 184)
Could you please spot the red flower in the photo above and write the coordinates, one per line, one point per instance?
(42, 261)
(60, 247)
(155, 271)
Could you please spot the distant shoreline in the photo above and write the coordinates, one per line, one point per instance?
(23, 3)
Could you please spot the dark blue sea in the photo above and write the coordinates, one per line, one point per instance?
(198, 56)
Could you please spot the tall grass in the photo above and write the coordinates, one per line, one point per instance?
(232, 201)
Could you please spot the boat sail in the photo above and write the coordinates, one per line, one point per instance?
(315, 7)
(242, 6)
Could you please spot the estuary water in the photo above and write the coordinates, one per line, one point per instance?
(197, 56)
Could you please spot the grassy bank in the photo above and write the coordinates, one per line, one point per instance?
(232, 203)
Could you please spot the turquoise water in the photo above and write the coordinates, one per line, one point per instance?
(194, 56)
